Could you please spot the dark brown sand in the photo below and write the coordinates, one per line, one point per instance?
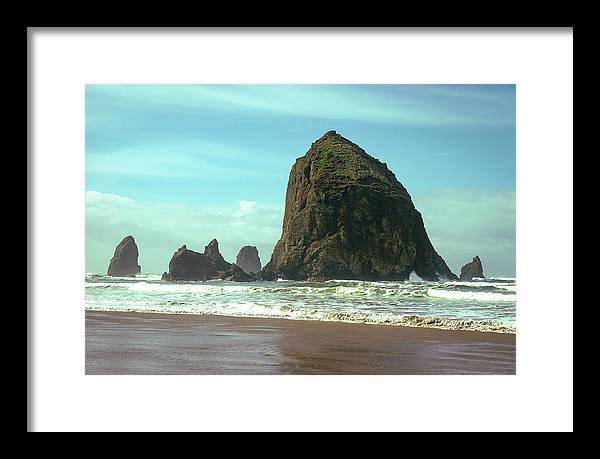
(133, 343)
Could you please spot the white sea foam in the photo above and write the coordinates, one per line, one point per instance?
(461, 295)
(287, 312)
(483, 285)
(350, 288)
(414, 278)
(487, 305)
(186, 288)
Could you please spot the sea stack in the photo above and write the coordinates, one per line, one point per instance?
(348, 217)
(248, 259)
(471, 270)
(124, 262)
(212, 251)
(187, 265)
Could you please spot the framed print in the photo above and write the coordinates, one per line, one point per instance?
(300, 229)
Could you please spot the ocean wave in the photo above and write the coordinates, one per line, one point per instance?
(248, 309)
(186, 287)
(476, 284)
(99, 285)
(453, 290)
(479, 305)
(470, 295)
(138, 277)
(356, 288)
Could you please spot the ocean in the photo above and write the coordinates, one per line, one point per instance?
(483, 304)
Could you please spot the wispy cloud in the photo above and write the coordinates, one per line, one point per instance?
(495, 94)
(201, 160)
(407, 104)
(94, 198)
(246, 208)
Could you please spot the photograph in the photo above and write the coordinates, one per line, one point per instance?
(325, 229)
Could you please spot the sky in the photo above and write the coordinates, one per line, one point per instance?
(183, 164)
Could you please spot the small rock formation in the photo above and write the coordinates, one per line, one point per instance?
(124, 262)
(265, 275)
(212, 252)
(248, 259)
(471, 270)
(187, 265)
(348, 217)
(236, 274)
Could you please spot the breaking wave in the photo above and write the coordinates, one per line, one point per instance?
(485, 305)
(291, 313)
(478, 296)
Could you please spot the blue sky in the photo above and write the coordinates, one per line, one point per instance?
(175, 164)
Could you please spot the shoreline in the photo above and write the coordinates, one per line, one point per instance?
(426, 321)
(160, 343)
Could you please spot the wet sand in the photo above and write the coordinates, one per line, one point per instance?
(134, 343)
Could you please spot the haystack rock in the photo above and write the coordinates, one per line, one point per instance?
(348, 217)
(248, 259)
(124, 262)
(471, 270)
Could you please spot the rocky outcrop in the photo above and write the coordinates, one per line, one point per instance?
(187, 265)
(124, 262)
(348, 217)
(248, 259)
(236, 274)
(212, 252)
(471, 270)
(265, 275)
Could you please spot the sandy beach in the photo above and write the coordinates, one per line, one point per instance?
(137, 343)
